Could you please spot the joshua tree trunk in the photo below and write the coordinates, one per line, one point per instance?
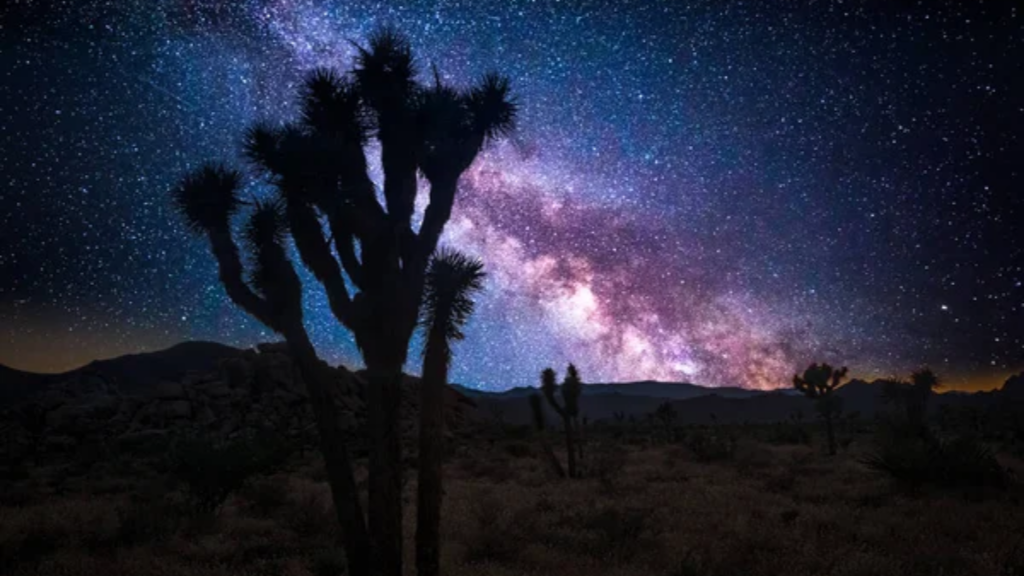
(385, 470)
(830, 431)
(570, 446)
(431, 455)
(340, 476)
(549, 452)
(579, 438)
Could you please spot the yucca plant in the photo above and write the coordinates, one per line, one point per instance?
(915, 460)
(452, 280)
(370, 260)
(567, 409)
(819, 383)
(540, 423)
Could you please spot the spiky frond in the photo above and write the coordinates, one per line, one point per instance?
(259, 146)
(819, 380)
(264, 236)
(266, 225)
(208, 197)
(386, 70)
(452, 279)
(443, 123)
(331, 105)
(925, 380)
(301, 164)
(548, 382)
(572, 387)
(493, 109)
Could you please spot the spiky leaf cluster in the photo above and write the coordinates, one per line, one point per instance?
(537, 411)
(819, 380)
(571, 389)
(452, 280)
(208, 197)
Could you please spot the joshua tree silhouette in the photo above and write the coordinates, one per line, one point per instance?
(539, 421)
(666, 414)
(567, 410)
(913, 396)
(318, 166)
(819, 383)
(452, 279)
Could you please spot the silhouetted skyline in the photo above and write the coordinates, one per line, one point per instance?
(717, 193)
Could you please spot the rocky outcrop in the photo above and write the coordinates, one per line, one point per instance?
(259, 389)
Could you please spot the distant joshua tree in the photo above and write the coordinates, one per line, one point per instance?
(452, 279)
(371, 262)
(666, 414)
(567, 410)
(913, 396)
(819, 383)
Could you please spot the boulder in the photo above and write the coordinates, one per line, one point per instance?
(60, 443)
(215, 389)
(174, 409)
(142, 439)
(168, 391)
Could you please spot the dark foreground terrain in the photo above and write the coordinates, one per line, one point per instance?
(645, 510)
(185, 481)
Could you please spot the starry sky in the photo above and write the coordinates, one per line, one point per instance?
(708, 191)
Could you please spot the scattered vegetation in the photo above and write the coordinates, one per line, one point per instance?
(909, 450)
(955, 462)
(213, 472)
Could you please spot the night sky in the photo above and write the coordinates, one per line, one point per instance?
(716, 192)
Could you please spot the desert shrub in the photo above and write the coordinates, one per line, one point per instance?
(789, 516)
(211, 472)
(14, 471)
(309, 514)
(518, 449)
(784, 433)
(710, 446)
(606, 461)
(916, 460)
(624, 533)
(690, 565)
(32, 546)
(264, 495)
(329, 563)
(780, 482)
(18, 495)
(493, 466)
(142, 522)
(491, 541)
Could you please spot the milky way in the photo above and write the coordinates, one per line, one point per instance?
(716, 192)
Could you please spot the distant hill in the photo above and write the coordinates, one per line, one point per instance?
(701, 405)
(135, 373)
(16, 384)
(129, 374)
(645, 388)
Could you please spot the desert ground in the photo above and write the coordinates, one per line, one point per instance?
(740, 501)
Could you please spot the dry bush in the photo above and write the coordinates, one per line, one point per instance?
(309, 511)
(518, 449)
(492, 539)
(264, 496)
(771, 510)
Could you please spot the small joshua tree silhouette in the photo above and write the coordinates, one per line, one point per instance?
(819, 383)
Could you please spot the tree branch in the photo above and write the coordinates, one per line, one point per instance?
(316, 255)
(341, 230)
(230, 269)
